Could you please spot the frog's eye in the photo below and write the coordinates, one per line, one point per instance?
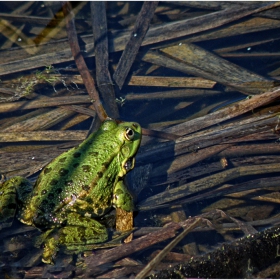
(129, 133)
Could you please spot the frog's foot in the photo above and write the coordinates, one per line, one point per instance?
(80, 234)
(51, 248)
(49, 241)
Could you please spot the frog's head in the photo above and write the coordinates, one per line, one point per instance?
(129, 133)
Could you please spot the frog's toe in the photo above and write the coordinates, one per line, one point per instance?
(49, 240)
(50, 250)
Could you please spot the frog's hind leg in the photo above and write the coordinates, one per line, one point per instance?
(13, 193)
(82, 231)
(76, 236)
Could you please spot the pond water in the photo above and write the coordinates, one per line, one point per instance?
(202, 84)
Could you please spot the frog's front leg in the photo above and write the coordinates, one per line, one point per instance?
(123, 201)
(75, 236)
(13, 194)
(122, 197)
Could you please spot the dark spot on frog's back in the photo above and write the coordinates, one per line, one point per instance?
(50, 196)
(58, 190)
(76, 155)
(52, 205)
(47, 170)
(68, 183)
(62, 159)
(89, 200)
(44, 203)
(53, 182)
(63, 215)
(106, 164)
(63, 172)
(85, 188)
(93, 184)
(99, 174)
(86, 168)
(75, 165)
(43, 192)
(46, 206)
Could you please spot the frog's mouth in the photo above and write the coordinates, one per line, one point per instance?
(129, 164)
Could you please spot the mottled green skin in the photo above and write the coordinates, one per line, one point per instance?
(80, 184)
(13, 193)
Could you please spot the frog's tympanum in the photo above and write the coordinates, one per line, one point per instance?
(75, 188)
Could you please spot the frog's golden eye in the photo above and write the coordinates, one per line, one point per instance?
(129, 133)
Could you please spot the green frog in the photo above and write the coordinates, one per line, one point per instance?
(75, 188)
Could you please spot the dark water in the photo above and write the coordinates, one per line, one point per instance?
(251, 42)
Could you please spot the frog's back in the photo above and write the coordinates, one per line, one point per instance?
(73, 174)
